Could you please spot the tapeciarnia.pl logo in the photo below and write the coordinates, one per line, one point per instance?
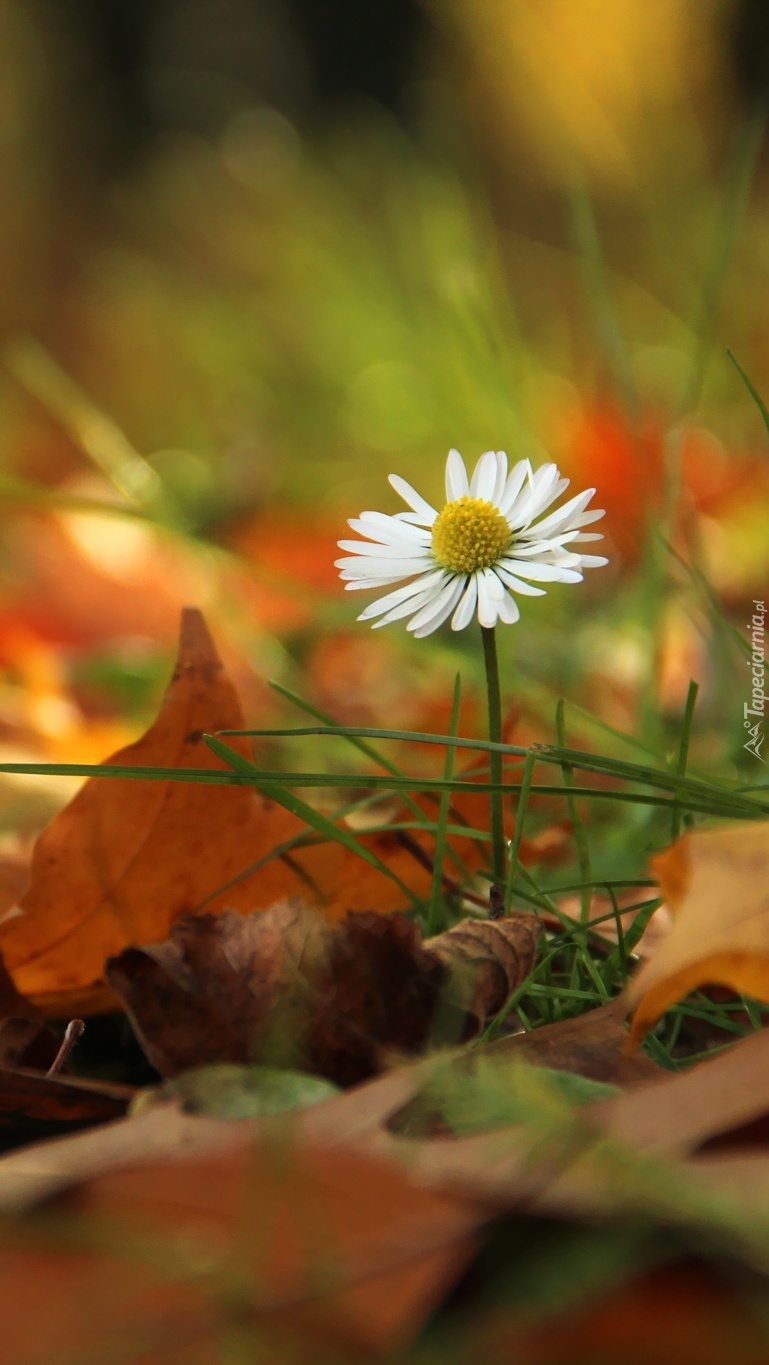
(756, 663)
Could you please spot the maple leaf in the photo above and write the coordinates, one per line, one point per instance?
(128, 858)
(715, 884)
(286, 987)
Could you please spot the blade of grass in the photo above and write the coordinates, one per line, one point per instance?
(520, 820)
(370, 752)
(706, 798)
(321, 823)
(435, 916)
(598, 290)
(755, 395)
(98, 435)
(683, 751)
(580, 833)
(548, 753)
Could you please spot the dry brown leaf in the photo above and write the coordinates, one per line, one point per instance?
(592, 1045)
(678, 1113)
(27, 1043)
(285, 986)
(126, 859)
(715, 882)
(339, 1254)
(33, 1105)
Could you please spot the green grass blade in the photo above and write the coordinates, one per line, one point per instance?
(755, 395)
(321, 823)
(580, 833)
(434, 911)
(683, 751)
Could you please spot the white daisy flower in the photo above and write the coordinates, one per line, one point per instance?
(470, 557)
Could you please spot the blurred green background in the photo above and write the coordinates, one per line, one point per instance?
(257, 254)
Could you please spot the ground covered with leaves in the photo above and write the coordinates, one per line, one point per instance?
(332, 1028)
(291, 1121)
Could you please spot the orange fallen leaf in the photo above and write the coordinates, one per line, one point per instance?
(715, 884)
(337, 1255)
(688, 1312)
(126, 859)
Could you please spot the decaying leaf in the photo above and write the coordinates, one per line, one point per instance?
(284, 985)
(35, 1106)
(126, 859)
(487, 961)
(716, 882)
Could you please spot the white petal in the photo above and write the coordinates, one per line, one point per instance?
(364, 567)
(545, 495)
(414, 499)
(592, 561)
(415, 518)
(586, 535)
(409, 608)
(508, 610)
(457, 485)
(369, 584)
(520, 473)
(545, 487)
(466, 609)
(517, 584)
(541, 549)
(425, 583)
(540, 573)
(490, 593)
(499, 486)
(563, 516)
(403, 549)
(484, 477)
(436, 611)
(387, 530)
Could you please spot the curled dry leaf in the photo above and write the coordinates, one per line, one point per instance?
(487, 960)
(715, 882)
(286, 987)
(126, 859)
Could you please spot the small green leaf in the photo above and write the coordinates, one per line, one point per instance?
(228, 1091)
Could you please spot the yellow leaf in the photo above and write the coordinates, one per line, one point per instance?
(716, 883)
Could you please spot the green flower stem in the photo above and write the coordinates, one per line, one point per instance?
(496, 798)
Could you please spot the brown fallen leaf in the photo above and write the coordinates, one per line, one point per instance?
(27, 1043)
(687, 1312)
(12, 1003)
(487, 961)
(715, 882)
(286, 986)
(680, 1112)
(593, 1045)
(126, 859)
(35, 1106)
(339, 1256)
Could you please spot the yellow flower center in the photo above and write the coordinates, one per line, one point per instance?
(469, 534)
